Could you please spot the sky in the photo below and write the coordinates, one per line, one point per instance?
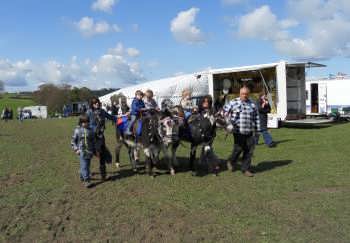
(116, 43)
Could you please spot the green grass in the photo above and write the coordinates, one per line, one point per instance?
(301, 193)
(10, 100)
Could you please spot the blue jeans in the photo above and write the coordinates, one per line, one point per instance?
(84, 167)
(131, 123)
(267, 137)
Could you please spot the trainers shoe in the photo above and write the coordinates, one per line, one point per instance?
(248, 173)
(87, 184)
(229, 166)
(272, 145)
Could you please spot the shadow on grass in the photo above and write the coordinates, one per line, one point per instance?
(307, 126)
(270, 165)
(183, 167)
(278, 142)
(5, 135)
(284, 141)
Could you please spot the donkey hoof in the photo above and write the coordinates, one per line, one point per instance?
(172, 172)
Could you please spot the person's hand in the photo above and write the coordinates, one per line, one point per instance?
(77, 152)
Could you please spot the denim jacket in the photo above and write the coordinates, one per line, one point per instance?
(136, 106)
(83, 140)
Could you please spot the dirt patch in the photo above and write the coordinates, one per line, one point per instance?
(11, 180)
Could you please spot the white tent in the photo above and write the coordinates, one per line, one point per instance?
(167, 88)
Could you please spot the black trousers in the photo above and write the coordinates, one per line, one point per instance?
(103, 152)
(245, 144)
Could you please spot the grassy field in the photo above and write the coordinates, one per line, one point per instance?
(301, 192)
(13, 101)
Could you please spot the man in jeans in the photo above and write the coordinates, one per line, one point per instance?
(245, 124)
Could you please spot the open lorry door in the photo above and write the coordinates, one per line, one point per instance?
(322, 98)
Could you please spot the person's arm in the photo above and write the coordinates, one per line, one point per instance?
(134, 107)
(268, 107)
(93, 140)
(155, 105)
(75, 140)
(230, 106)
(257, 122)
(109, 116)
(263, 108)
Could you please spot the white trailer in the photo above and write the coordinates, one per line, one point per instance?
(39, 112)
(284, 81)
(327, 95)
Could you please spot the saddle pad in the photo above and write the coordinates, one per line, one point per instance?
(122, 124)
(187, 114)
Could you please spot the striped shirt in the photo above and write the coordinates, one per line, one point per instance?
(244, 116)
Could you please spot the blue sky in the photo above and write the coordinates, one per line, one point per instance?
(115, 43)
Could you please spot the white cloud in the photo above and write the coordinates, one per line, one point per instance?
(112, 69)
(116, 28)
(120, 50)
(14, 74)
(262, 23)
(104, 5)
(87, 26)
(184, 29)
(326, 24)
(116, 69)
(288, 23)
(133, 52)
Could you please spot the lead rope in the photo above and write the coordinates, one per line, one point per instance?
(85, 140)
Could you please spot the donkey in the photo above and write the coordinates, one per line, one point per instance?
(200, 130)
(133, 146)
(169, 126)
(150, 141)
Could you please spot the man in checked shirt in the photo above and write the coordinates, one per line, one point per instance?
(245, 121)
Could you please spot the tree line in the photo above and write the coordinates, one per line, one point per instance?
(56, 96)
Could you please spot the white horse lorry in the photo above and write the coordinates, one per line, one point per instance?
(328, 95)
(39, 112)
(284, 82)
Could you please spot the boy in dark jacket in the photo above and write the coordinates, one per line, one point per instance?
(136, 106)
(264, 109)
(83, 144)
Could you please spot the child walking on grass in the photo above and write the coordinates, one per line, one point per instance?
(83, 144)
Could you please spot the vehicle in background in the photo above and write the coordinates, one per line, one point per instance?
(75, 108)
(39, 112)
(328, 96)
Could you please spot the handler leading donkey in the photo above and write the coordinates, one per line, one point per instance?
(97, 118)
